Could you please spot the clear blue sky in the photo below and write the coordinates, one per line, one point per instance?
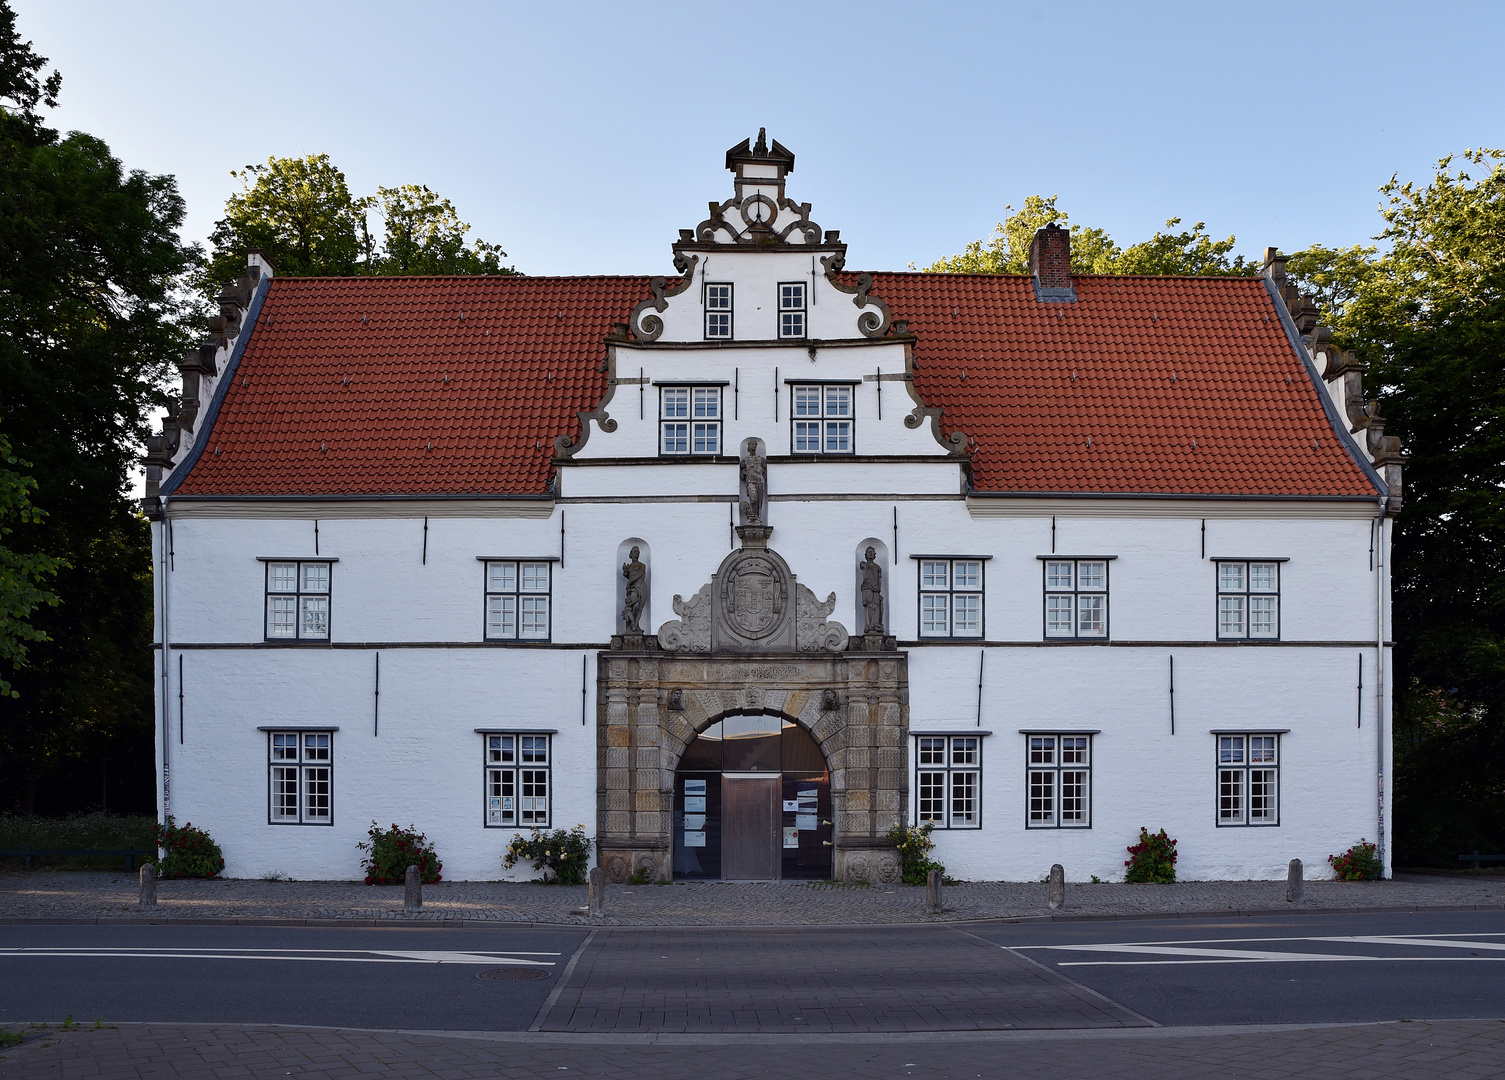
(581, 137)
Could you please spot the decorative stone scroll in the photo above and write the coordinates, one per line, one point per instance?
(691, 632)
(815, 631)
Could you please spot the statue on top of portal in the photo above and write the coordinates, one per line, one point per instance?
(754, 473)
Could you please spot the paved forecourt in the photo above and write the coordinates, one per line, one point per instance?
(106, 896)
(1422, 1050)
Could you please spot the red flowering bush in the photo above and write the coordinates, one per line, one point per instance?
(1358, 863)
(1152, 860)
(389, 853)
(190, 852)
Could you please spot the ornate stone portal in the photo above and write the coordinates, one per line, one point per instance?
(753, 640)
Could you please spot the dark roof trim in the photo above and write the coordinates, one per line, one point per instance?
(1059, 731)
(196, 451)
(1337, 423)
(1189, 496)
(299, 727)
(460, 497)
(1250, 731)
(517, 731)
(949, 733)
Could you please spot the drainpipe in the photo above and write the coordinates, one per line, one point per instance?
(166, 696)
(1379, 667)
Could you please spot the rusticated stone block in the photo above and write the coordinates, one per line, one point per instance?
(619, 800)
(618, 778)
(890, 757)
(858, 757)
(858, 800)
(616, 823)
(885, 820)
(649, 824)
(889, 735)
(617, 735)
(857, 780)
(614, 757)
(646, 800)
(895, 779)
(887, 801)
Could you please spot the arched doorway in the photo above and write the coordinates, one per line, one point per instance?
(752, 801)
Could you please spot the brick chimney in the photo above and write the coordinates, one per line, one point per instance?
(1050, 263)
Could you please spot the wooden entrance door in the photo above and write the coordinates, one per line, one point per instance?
(750, 828)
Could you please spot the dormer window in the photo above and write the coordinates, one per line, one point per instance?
(718, 311)
(791, 309)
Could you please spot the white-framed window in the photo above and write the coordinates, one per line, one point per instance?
(1248, 600)
(821, 415)
(791, 309)
(518, 595)
(951, 592)
(1248, 772)
(1076, 598)
(690, 420)
(518, 783)
(300, 777)
(948, 781)
(718, 311)
(297, 596)
(1058, 781)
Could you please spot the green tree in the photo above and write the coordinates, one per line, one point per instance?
(23, 575)
(301, 214)
(423, 234)
(1093, 250)
(1007, 252)
(92, 316)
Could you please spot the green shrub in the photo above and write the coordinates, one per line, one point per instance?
(1359, 863)
(563, 857)
(94, 830)
(389, 853)
(191, 852)
(1152, 860)
(914, 846)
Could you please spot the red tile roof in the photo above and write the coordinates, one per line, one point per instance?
(1182, 386)
(420, 385)
(459, 386)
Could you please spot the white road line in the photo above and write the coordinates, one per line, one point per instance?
(1288, 958)
(1239, 941)
(1426, 943)
(321, 956)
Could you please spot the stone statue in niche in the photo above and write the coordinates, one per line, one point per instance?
(636, 593)
(755, 483)
(872, 593)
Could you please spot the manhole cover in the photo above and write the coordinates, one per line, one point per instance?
(518, 974)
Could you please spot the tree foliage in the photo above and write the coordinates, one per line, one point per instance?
(92, 315)
(301, 214)
(23, 575)
(1429, 316)
(1093, 251)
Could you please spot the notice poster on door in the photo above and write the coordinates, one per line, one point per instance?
(694, 839)
(694, 787)
(694, 804)
(791, 838)
(808, 802)
(791, 806)
(694, 822)
(805, 822)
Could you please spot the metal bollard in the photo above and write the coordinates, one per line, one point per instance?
(933, 893)
(1294, 884)
(148, 886)
(595, 890)
(412, 893)
(1056, 899)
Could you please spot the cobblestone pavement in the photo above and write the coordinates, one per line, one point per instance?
(75, 895)
(1456, 1048)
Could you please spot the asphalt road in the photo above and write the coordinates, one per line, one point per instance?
(1016, 976)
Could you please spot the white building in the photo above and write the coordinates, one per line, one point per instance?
(1130, 550)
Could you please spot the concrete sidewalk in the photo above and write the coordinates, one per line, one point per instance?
(67, 896)
(1421, 1049)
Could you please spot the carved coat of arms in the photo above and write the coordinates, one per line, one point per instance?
(754, 596)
